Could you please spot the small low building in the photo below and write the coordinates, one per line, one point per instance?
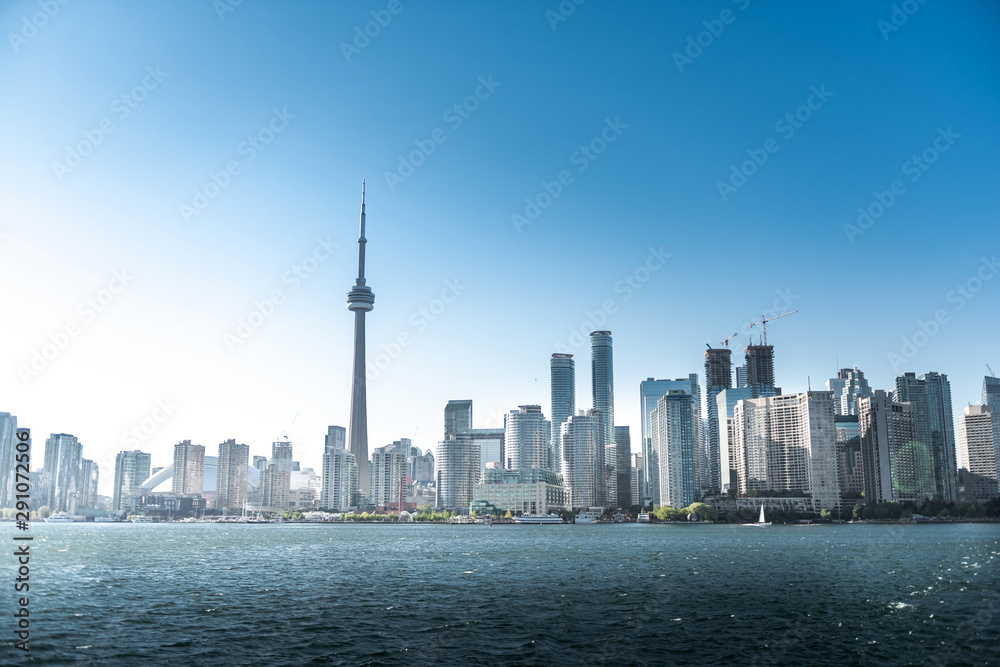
(533, 490)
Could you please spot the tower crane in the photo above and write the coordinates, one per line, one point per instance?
(725, 343)
(290, 427)
(763, 322)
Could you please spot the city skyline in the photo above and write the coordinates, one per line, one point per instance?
(167, 321)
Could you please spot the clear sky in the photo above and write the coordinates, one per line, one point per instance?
(177, 163)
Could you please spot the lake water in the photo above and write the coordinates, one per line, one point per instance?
(179, 594)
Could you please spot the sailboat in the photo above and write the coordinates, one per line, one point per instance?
(760, 521)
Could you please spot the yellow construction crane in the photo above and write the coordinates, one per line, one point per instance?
(763, 322)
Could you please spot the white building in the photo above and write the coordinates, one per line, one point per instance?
(458, 471)
(673, 431)
(340, 473)
(979, 437)
(526, 438)
(583, 459)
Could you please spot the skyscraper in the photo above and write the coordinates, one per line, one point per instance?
(62, 462)
(650, 391)
(760, 370)
(231, 480)
(281, 455)
(725, 409)
(895, 467)
(457, 417)
(850, 462)
(275, 488)
(562, 372)
(8, 458)
(189, 469)
(718, 378)
(991, 391)
(855, 387)
(388, 470)
(623, 465)
(526, 438)
(458, 471)
(672, 431)
(340, 473)
(602, 377)
(87, 485)
(788, 443)
(360, 300)
(583, 459)
(930, 395)
(131, 470)
(979, 434)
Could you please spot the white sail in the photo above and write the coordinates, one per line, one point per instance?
(761, 514)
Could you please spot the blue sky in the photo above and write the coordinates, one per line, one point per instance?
(201, 85)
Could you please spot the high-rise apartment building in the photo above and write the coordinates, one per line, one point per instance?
(8, 459)
(189, 469)
(741, 376)
(388, 471)
(650, 391)
(718, 378)
(623, 466)
(491, 445)
(132, 468)
(637, 483)
(63, 454)
(979, 435)
(421, 467)
(526, 438)
(583, 459)
(340, 473)
(458, 471)
(760, 370)
(895, 467)
(673, 431)
(275, 488)
(231, 480)
(991, 391)
(563, 392)
(930, 395)
(850, 462)
(87, 485)
(788, 443)
(725, 409)
(281, 455)
(602, 377)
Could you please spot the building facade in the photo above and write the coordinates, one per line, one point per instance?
(650, 391)
(533, 490)
(231, 483)
(583, 459)
(896, 468)
(562, 375)
(623, 466)
(63, 454)
(602, 376)
(718, 378)
(930, 396)
(979, 436)
(458, 471)
(189, 469)
(526, 438)
(673, 433)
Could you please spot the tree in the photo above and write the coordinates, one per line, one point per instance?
(703, 511)
(825, 515)
(856, 512)
(44, 512)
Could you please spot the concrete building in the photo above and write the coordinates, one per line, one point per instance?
(457, 417)
(491, 445)
(930, 396)
(87, 496)
(8, 459)
(458, 471)
(281, 455)
(855, 387)
(388, 471)
(991, 391)
(979, 435)
(896, 468)
(788, 443)
(583, 459)
(562, 376)
(673, 432)
(234, 460)
(533, 490)
(636, 479)
(188, 469)
(526, 438)
(275, 488)
(760, 370)
(421, 467)
(340, 479)
(718, 378)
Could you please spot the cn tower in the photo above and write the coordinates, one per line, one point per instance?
(360, 300)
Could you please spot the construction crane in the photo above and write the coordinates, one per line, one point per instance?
(763, 322)
(725, 343)
(290, 427)
(992, 374)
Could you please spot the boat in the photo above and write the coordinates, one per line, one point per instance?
(59, 517)
(643, 517)
(142, 519)
(538, 518)
(105, 519)
(760, 521)
(587, 516)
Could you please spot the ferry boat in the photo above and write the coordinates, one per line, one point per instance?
(59, 517)
(142, 519)
(643, 517)
(538, 518)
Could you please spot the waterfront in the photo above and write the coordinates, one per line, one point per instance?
(436, 594)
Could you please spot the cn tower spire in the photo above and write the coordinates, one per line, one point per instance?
(360, 300)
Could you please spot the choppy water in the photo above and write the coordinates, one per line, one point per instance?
(178, 594)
